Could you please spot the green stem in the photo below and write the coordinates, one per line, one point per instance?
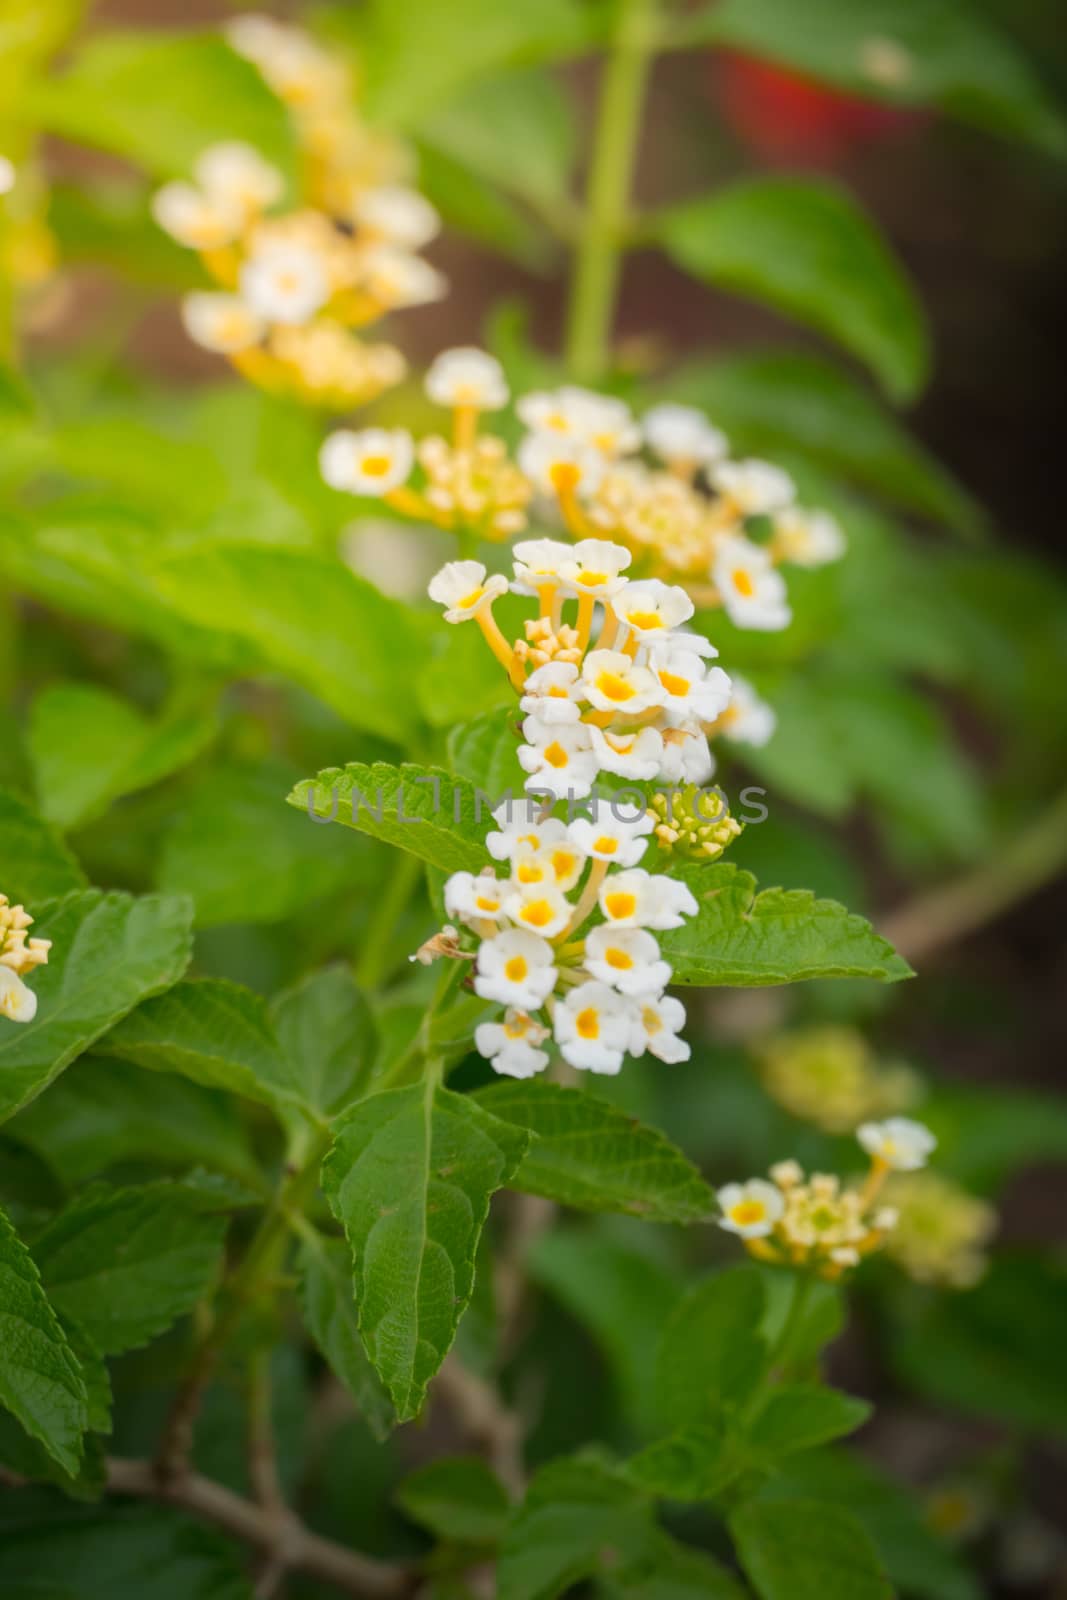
(375, 957)
(1035, 856)
(595, 284)
(782, 1348)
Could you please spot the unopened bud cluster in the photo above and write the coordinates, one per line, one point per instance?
(19, 955)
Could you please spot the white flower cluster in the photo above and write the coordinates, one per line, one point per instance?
(814, 1222)
(566, 941)
(635, 702)
(19, 955)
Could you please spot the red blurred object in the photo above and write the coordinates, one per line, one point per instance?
(783, 116)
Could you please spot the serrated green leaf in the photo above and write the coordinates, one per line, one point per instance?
(485, 752)
(423, 810)
(410, 1175)
(244, 857)
(805, 1550)
(783, 400)
(326, 1032)
(160, 99)
(109, 952)
(744, 938)
(40, 1380)
(37, 864)
(126, 1263)
(712, 1354)
(579, 1518)
(88, 747)
(799, 1416)
(329, 1309)
(109, 1112)
(589, 1154)
(912, 52)
(807, 249)
(457, 1498)
(216, 1033)
(693, 1463)
(313, 620)
(672, 1571)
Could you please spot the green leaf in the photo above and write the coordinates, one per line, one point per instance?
(808, 250)
(329, 1311)
(160, 99)
(485, 752)
(109, 1113)
(245, 858)
(917, 1561)
(423, 810)
(40, 1379)
(579, 1518)
(712, 1354)
(783, 400)
(457, 1498)
(799, 1416)
(37, 864)
(516, 130)
(410, 1175)
(126, 1263)
(473, 206)
(216, 1033)
(805, 1550)
(912, 52)
(89, 746)
(327, 1034)
(672, 1571)
(587, 1153)
(986, 1134)
(311, 619)
(742, 938)
(109, 952)
(420, 56)
(693, 1463)
(118, 1550)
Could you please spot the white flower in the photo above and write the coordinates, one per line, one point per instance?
(592, 1027)
(511, 1045)
(607, 838)
(236, 174)
(520, 831)
(686, 756)
(196, 220)
(475, 898)
(553, 693)
(750, 1209)
(559, 864)
(372, 462)
(538, 564)
(636, 898)
(898, 1142)
(808, 538)
(285, 283)
(8, 175)
(467, 377)
(558, 757)
(402, 216)
(17, 1000)
(628, 755)
(614, 682)
(651, 609)
(656, 1027)
(551, 413)
(597, 421)
(558, 464)
(396, 279)
(541, 907)
(754, 488)
(748, 719)
(689, 687)
(221, 322)
(595, 566)
(753, 593)
(683, 434)
(628, 959)
(463, 587)
(516, 968)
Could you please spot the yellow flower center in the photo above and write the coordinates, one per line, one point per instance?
(606, 845)
(620, 903)
(470, 599)
(618, 959)
(515, 969)
(591, 579)
(746, 1212)
(485, 903)
(529, 872)
(555, 754)
(673, 684)
(563, 863)
(613, 686)
(517, 1028)
(650, 1020)
(377, 467)
(742, 582)
(564, 476)
(538, 913)
(645, 619)
(587, 1023)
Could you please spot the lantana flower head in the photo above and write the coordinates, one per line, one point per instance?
(19, 955)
